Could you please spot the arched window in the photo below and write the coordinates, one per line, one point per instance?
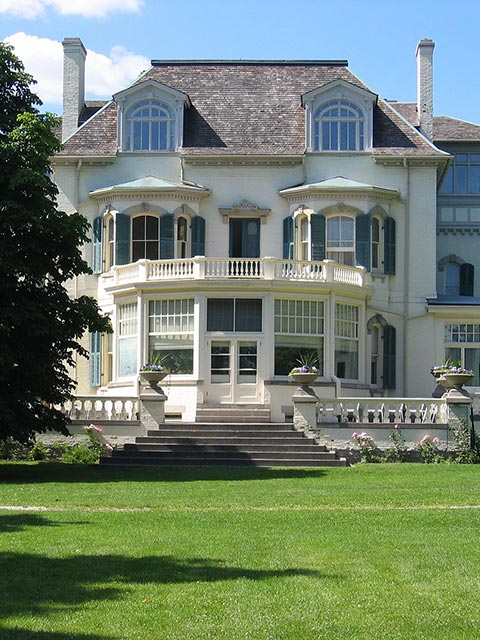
(376, 257)
(339, 126)
(150, 126)
(182, 237)
(109, 243)
(304, 245)
(145, 238)
(341, 239)
(382, 353)
(452, 279)
(459, 278)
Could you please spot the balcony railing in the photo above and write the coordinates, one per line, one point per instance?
(201, 268)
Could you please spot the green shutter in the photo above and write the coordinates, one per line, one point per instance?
(122, 239)
(95, 358)
(166, 236)
(467, 272)
(288, 238)
(389, 246)
(317, 234)
(198, 236)
(363, 241)
(97, 252)
(389, 356)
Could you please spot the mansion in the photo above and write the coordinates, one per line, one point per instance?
(246, 214)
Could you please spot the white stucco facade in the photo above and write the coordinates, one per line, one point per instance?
(259, 257)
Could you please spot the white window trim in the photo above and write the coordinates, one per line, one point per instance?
(339, 90)
(151, 90)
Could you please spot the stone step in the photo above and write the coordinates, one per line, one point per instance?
(232, 413)
(219, 447)
(231, 454)
(217, 429)
(222, 462)
(236, 440)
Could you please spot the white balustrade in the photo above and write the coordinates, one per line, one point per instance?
(383, 411)
(233, 268)
(101, 408)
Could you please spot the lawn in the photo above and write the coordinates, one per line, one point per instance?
(373, 551)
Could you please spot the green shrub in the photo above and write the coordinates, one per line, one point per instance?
(79, 454)
(38, 452)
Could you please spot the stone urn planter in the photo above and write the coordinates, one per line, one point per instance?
(153, 377)
(304, 378)
(454, 380)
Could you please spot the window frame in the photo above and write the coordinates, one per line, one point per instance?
(290, 324)
(169, 320)
(148, 124)
(342, 249)
(468, 334)
(145, 240)
(339, 127)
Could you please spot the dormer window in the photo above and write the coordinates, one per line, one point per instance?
(339, 126)
(339, 118)
(150, 117)
(150, 126)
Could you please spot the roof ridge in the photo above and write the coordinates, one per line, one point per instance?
(330, 63)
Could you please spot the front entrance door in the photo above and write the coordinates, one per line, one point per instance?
(234, 371)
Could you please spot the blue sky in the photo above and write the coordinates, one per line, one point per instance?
(378, 38)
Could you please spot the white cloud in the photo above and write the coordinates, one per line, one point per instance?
(104, 75)
(31, 9)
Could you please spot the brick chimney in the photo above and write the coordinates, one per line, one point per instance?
(74, 54)
(424, 55)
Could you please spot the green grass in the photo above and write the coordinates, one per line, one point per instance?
(373, 551)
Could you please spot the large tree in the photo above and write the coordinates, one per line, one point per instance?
(41, 325)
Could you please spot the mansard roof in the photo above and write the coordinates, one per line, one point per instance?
(249, 108)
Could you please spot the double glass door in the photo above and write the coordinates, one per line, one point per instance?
(234, 371)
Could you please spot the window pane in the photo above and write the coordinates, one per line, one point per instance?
(248, 315)
(475, 179)
(151, 228)
(447, 184)
(346, 359)
(219, 314)
(290, 349)
(461, 179)
(452, 279)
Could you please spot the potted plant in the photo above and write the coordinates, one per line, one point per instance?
(307, 371)
(450, 374)
(154, 371)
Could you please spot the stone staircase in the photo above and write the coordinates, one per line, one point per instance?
(232, 413)
(261, 444)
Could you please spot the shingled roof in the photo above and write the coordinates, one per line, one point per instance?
(249, 108)
(445, 128)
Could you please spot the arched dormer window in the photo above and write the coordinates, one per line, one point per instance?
(339, 126)
(150, 126)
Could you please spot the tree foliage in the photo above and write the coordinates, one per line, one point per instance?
(40, 251)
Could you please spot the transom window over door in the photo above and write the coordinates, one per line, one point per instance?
(339, 126)
(150, 126)
(239, 315)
